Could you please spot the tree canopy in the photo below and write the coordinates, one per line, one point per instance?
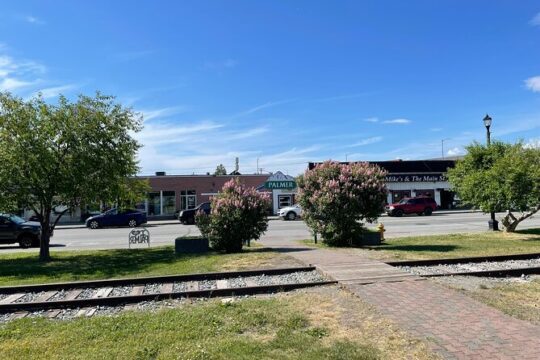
(220, 170)
(499, 177)
(65, 154)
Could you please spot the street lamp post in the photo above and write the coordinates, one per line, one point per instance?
(493, 224)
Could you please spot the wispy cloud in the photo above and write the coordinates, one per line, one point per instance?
(367, 141)
(166, 133)
(533, 143)
(372, 120)
(535, 21)
(398, 121)
(455, 151)
(151, 114)
(258, 108)
(342, 97)
(54, 91)
(249, 133)
(18, 74)
(533, 83)
(33, 20)
(221, 64)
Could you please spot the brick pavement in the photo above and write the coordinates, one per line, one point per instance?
(455, 325)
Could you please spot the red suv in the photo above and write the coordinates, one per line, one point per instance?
(416, 205)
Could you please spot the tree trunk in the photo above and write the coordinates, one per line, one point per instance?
(510, 222)
(44, 254)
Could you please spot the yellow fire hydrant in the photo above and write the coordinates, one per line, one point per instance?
(381, 229)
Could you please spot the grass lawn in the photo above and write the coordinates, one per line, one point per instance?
(452, 245)
(24, 268)
(323, 323)
(520, 300)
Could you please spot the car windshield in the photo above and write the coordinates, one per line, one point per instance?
(16, 219)
(403, 201)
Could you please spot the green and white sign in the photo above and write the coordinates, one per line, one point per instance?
(280, 181)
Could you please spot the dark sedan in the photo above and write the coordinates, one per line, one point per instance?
(14, 229)
(117, 217)
(188, 216)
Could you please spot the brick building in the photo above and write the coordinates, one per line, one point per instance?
(171, 193)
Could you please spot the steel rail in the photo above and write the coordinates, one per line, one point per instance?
(475, 259)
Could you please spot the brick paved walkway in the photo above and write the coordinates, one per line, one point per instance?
(456, 326)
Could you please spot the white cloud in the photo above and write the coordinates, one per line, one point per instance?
(533, 143)
(367, 141)
(397, 121)
(456, 151)
(249, 133)
(535, 21)
(33, 20)
(372, 119)
(54, 91)
(161, 113)
(16, 75)
(533, 83)
(160, 134)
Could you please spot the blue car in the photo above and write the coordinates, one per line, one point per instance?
(117, 217)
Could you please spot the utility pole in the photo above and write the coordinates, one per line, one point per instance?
(442, 147)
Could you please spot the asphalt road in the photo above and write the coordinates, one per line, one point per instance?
(164, 233)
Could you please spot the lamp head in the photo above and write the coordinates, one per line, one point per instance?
(487, 121)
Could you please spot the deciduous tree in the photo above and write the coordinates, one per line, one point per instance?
(500, 177)
(64, 154)
(336, 198)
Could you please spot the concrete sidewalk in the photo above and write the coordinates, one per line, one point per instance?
(455, 325)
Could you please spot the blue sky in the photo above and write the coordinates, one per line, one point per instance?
(287, 82)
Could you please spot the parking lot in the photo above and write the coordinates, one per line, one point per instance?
(164, 232)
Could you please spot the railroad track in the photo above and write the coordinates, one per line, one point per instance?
(21, 300)
(485, 266)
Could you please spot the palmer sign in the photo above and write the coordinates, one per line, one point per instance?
(280, 181)
(416, 178)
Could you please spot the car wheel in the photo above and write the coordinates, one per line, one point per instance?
(25, 241)
(191, 221)
(428, 211)
(398, 213)
(93, 224)
(291, 215)
(132, 223)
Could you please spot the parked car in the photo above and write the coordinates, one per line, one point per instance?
(117, 217)
(290, 212)
(14, 229)
(416, 205)
(188, 216)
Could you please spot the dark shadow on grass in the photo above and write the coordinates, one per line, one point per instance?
(416, 248)
(34, 248)
(535, 231)
(281, 249)
(102, 264)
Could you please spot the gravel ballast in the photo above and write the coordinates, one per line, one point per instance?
(466, 267)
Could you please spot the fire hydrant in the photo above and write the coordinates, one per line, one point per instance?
(381, 229)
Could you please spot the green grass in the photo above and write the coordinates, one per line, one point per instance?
(453, 245)
(294, 326)
(19, 268)
(520, 300)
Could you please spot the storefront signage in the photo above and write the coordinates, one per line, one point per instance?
(280, 181)
(416, 178)
(276, 184)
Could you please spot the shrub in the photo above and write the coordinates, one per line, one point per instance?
(238, 215)
(336, 198)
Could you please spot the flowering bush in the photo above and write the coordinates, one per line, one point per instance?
(336, 198)
(238, 215)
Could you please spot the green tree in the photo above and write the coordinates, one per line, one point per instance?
(220, 170)
(335, 198)
(500, 177)
(64, 154)
(238, 216)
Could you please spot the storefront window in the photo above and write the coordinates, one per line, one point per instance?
(169, 202)
(188, 199)
(154, 203)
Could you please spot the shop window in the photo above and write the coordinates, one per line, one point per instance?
(169, 202)
(154, 203)
(188, 199)
(285, 200)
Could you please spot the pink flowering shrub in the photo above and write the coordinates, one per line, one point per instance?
(238, 215)
(337, 198)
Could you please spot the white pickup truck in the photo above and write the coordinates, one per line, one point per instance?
(290, 212)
